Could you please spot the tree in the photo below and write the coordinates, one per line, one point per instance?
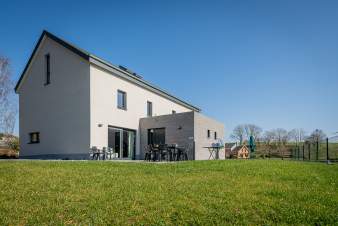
(269, 136)
(281, 136)
(252, 130)
(296, 135)
(317, 136)
(8, 106)
(238, 134)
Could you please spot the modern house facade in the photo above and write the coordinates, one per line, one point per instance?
(71, 100)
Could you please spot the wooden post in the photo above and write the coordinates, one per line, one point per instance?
(303, 152)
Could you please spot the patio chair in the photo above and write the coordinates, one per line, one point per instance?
(95, 153)
(103, 153)
(174, 152)
(147, 153)
(154, 150)
(184, 151)
(163, 152)
(110, 152)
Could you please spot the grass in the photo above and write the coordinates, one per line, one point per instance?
(189, 193)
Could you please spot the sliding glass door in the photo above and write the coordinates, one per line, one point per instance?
(122, 141)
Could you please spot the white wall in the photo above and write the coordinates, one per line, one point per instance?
(201, 126)
(103, 98)
(59, 111)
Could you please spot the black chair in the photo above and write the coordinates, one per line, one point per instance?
(188, 149)
(170, 152)
(103, 153)
(154, 152)
(95, 153)
(147, 154)
(163, 152)
(182, 153)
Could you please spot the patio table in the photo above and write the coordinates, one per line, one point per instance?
(214, 151)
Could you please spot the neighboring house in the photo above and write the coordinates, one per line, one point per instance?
(228, 147)
(71, 100)
(240, 152)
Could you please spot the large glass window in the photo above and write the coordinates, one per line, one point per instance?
(122, 100)
(122, 141)
(156, 136)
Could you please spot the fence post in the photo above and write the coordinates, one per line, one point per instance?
(327, 150)
(309, 151)
(317, 150)
(303, 152)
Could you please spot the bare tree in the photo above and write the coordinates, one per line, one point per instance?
(296, 135)
(281, 136)
(252, 130)
(5, 81)
(317, 136)
(238, 134)
(269, 136)
(8, 106)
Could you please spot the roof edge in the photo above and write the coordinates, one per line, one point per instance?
(67, 45)
(104, 64)
(141, 82)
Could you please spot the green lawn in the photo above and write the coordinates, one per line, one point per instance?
(190, 193)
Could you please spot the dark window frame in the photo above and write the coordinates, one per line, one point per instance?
(47, 78)
(31, 135)
(208, 133)
(124, 100)
(215, 135)
(149, 109)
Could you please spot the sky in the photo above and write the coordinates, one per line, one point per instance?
(273, 63)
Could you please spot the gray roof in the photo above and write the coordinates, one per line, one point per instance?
(229, 145)
(124, 74)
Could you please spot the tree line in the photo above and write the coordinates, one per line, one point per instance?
(242, 133)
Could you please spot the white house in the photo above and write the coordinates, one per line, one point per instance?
(71, 100)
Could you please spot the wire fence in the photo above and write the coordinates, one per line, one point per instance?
(326, 150)
(316, 151)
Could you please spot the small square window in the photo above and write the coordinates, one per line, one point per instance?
(34, 138)
(173, 112)
(122, 100)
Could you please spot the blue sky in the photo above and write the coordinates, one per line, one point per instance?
(272, 63)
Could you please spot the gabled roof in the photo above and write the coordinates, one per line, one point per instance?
(107, 66)
(238, 148)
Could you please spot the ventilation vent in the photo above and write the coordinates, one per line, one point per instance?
(129, 71)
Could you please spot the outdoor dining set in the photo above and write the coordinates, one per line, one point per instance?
(102, 154)
(156, 152)
(161, 152)
(166, 152)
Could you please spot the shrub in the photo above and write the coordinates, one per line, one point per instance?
(12, 142)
